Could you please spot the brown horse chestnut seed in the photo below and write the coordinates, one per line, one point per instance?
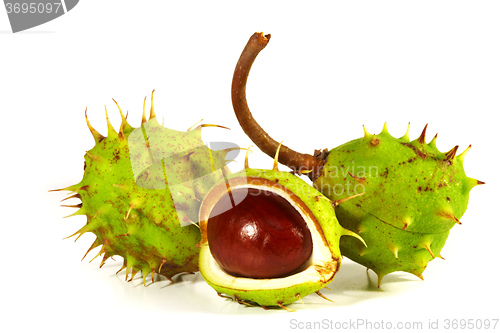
(256, 233)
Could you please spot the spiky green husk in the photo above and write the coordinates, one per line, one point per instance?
(325, 260)
(144, 209)
(413, 195)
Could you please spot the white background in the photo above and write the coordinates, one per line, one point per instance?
(330, 68)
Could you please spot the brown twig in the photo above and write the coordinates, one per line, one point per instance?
(298, 162)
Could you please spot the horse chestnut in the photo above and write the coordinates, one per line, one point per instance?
(257, 233)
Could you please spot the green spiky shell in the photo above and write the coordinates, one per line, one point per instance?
(286, 290)
(144, 209)
(413, 195)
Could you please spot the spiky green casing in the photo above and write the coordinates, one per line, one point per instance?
(413, 195)
(141, 191)
(319, 213)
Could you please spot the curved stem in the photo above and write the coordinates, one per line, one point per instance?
(298, 162)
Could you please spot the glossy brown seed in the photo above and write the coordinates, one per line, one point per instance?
(258, 234)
